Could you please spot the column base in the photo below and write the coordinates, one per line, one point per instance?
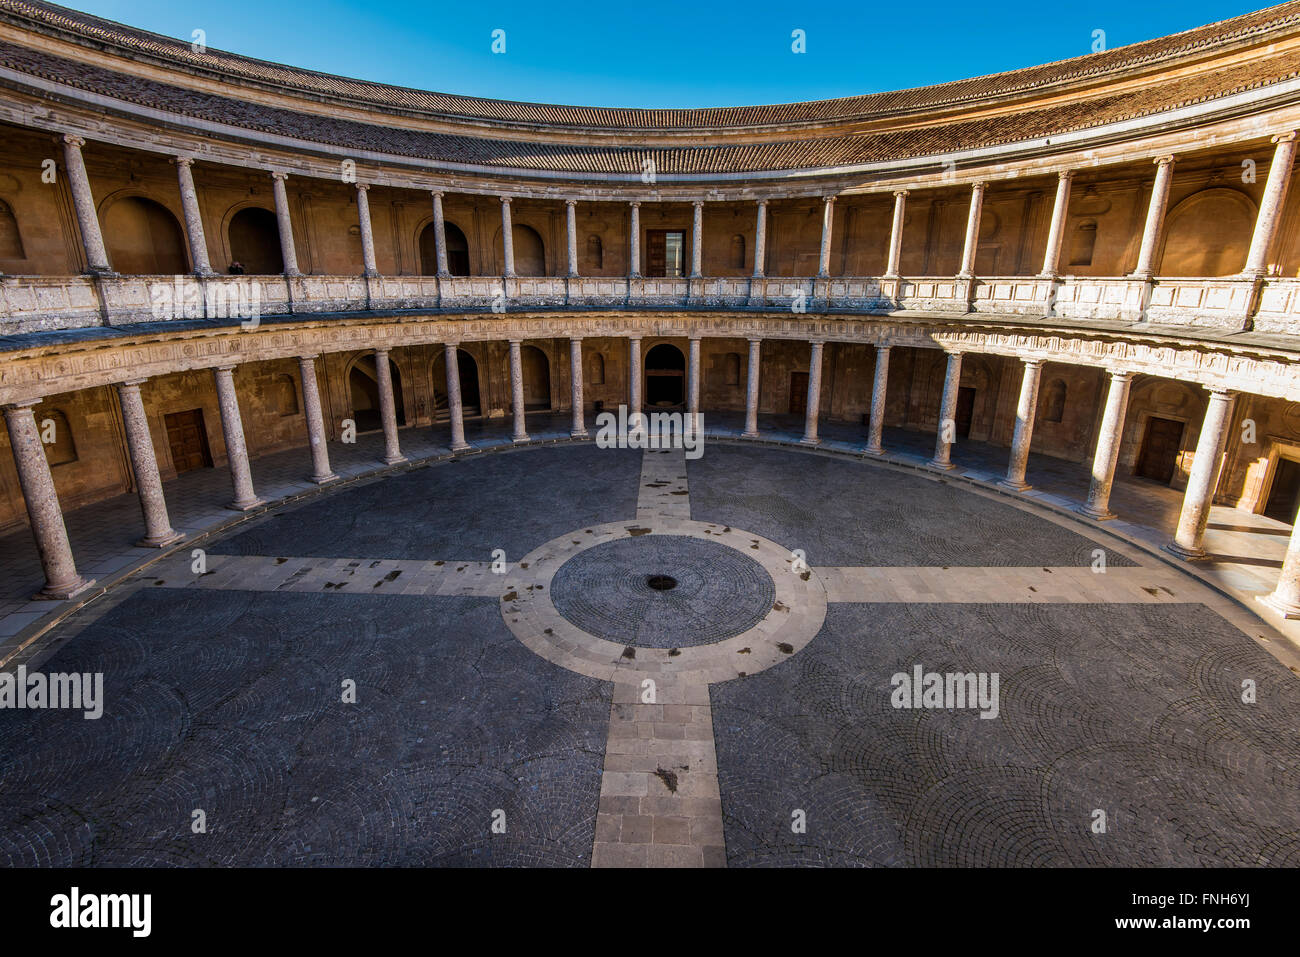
(873, 450)
(749, 435)
(940, 466)
(245, 506)
(1015, 486)
(520, 438)
(1186, 554)
(460, 446)
(813, 440)
(65, 591)
(1100, 515)
(171, 538)
(578, 434)
(394, 459)
(324, 479)
(1283, 607)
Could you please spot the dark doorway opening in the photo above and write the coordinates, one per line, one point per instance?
(469, 394)
(537, 379)
(188, 440)
(363, 384)
(457, 250)
(1160, 447)
(665, 377)
(798, 393)
(965, 411)
(665, 253)
(1284, 494)
(255, 241)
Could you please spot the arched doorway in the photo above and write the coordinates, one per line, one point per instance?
(363, 386)
(665, 377)
(469, 396)
(457, 250)
(537, 379)
(144, 239)
(255, 241)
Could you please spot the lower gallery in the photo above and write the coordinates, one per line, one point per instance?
(398, 478)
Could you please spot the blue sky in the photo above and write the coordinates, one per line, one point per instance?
(667, 53)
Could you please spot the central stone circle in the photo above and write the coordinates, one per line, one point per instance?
(701, 592)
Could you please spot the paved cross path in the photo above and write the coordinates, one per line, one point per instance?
(660, 803)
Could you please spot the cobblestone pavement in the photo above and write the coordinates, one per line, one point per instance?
(757, 727)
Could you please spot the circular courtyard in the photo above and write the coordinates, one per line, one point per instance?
(540, 657)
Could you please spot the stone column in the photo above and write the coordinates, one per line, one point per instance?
(947, 414)
(579, 430)
(634, 267)
(896, 234)
(193, 220)
(693, 375)
(1026, 409)
(1271, 204)
(517, 386)
(83, 201)
(634, 376)
(1189, 539)
(751, 390)
(507, 237)
(287, 250)
(158, 531)
(828, 219)
(571, 224)
(1107, 454)
(1285, 598)
(814, 394)
(320, 455)
(367, 233)
(697, 241)
(440, 235)
(972, 232)
(51, 535)
(879, 392)
(454, 406)
(1056, 232)
(232, 427)
(760, 239)
(387, 408)
(1155, 221)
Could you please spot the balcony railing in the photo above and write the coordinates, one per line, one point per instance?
(42, 303)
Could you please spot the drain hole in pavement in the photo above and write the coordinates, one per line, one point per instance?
(661, 582)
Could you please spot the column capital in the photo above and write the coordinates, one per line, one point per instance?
(382, 351)
(279, 175)
(362, 187)
(133, 383)
(515, 342)
(635, 203)
(1065, 175)
(72, 139)
(450, 346)
(571, 203)
(755, 340)
(1222, 395)
(635, 338)
(573, 339)
(226, 367)
(697, 203)
(899, 193)
(182, 161)
(1164, 161)
(505, 200)
(436, 193)
(979, 185)
(884, 346)
(829, 199)
(309, 357)
(762, 203)
(18, 406)
(1033, 361)
(1119, 375)
(953, 353)
(1284, 137)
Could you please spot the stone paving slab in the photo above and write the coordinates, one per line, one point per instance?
(1007, 584)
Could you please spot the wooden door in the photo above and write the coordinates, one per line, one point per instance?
(798, 393)
(1284, 493)
(656, 252)
(1160, 447)
(188, 440)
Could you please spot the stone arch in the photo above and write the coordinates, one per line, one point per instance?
(665, 376)
(143, 237)
(253, 238)
(470, 397)
(11, 240)
(53, 423)
(457, 249)
(536, 367)
(1208, 234)
(363, 393)
(530, 251)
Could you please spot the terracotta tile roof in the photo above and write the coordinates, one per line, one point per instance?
(1252, 27)
(801, 151)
